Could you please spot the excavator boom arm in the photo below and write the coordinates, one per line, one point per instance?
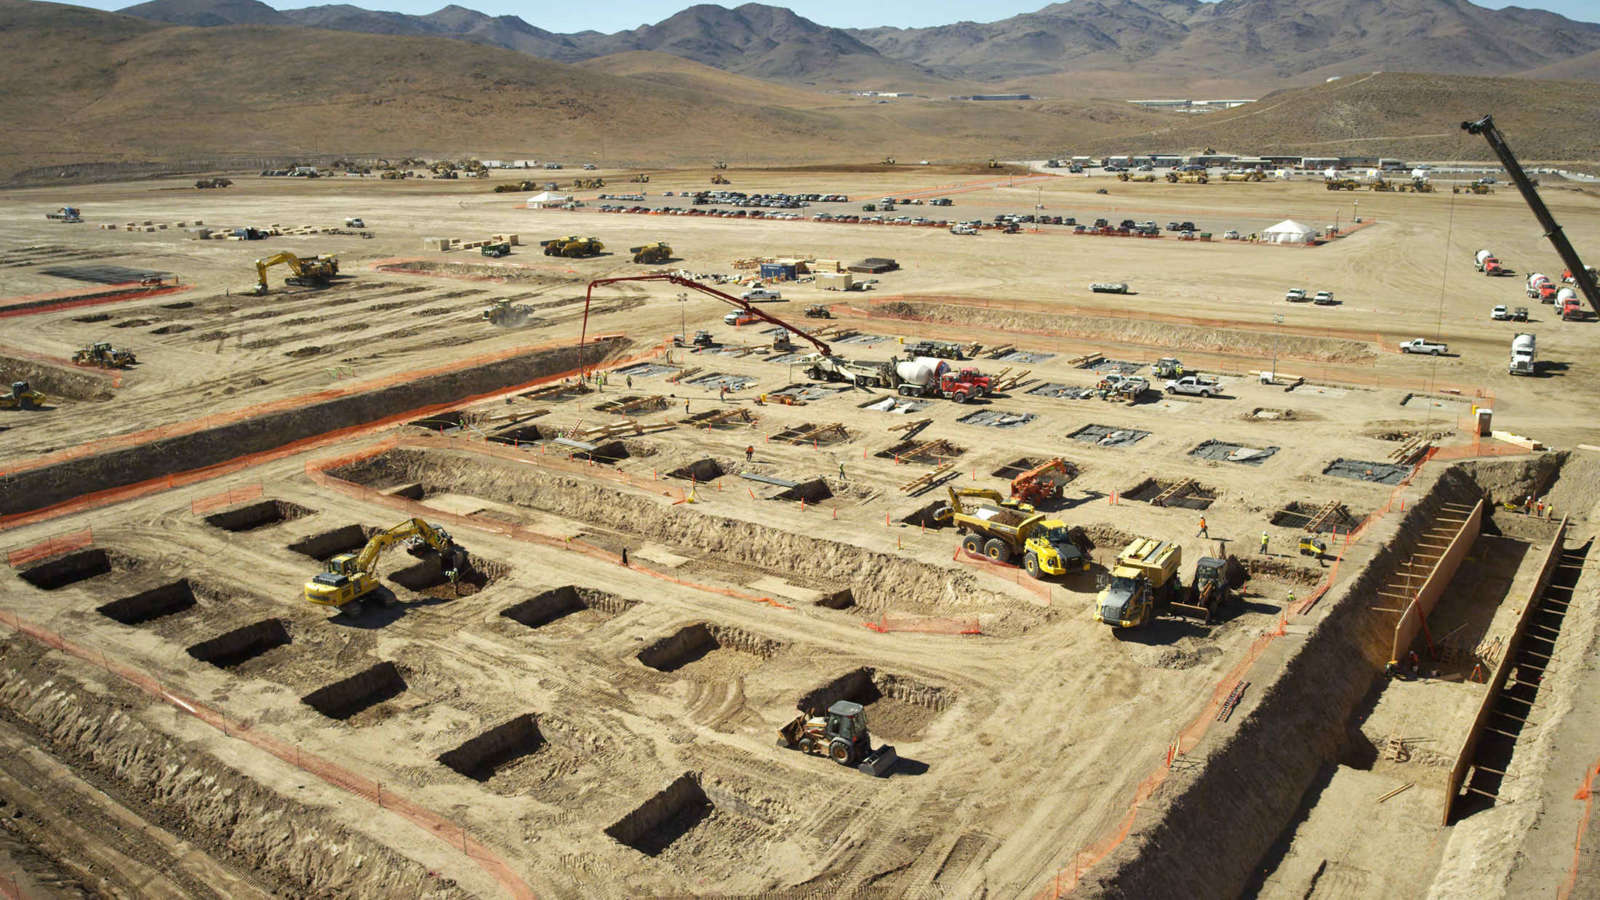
(387, 538)
(1485, 126)
(691, 283)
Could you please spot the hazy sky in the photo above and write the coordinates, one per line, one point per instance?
(621, 14)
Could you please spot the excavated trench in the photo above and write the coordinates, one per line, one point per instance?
(664, 818)
(82, 565)
(1216, 824)
(241, 645)
(325, 545)
(46, 485)
(482, 757)
(558, 603)
(701, 470)
(898, 707)
(289, 848)
(878, 580)
(1194, 496)
(166, 600)
(55, 382)
(521, 434)
(1297, 514)
(694, 642)
(427, 577)
(814, 491)
(257, 515)
(365, 689)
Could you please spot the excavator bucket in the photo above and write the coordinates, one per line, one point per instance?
(880, 762)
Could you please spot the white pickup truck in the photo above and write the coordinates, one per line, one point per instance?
(1423, 345)
(761, 294)
(1296, 295)
(1194, 384)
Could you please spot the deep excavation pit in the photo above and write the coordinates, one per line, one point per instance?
(664, 818)
(608, 453)
(55, 382)
(559, 603)
(427, 577)
(46, 485)
(922, 451)
(1016, 467)
(325, 545)
(1189, 494)
(898, 707)
(64, 571)
(518, 434)
(257, 515)
(365, 689)
(242, 644)
(815, 490)
(1214, 828)
(701, 470)
(165, 600)
(879, 581)
(289, 848)
(923, 516)
(693, 643)
(1302, 515)
(482, 757)
(843, 598)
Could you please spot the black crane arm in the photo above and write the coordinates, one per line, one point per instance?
(691, 283)
(1569, 256)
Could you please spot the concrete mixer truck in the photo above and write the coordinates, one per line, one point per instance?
(925, 376)
(1487, 263)
(1540, 288)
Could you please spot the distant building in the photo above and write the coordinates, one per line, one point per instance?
(1190, 106)
(995, 97)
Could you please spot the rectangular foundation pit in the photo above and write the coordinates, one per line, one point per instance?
(257, 515)
(1313, 517)
(1365, 470)
(896, 405)
(805, 393)
(73, 568)
(645, 370)
(1109, 436)
(325, 545)
(518, 434)
(1057, 391)
(363, 690)
(1223, 451)
(492, 752)
(898, 707)
(996, 418)
(695, 643)
(1184, 494)
(816, 435)
(166, 600)
(918, 450)
(813, 490)
(699, 471)
(241, 645)
(427, 577)
(564, 603)
(717, 381)
(1106, 366)
(664, 818)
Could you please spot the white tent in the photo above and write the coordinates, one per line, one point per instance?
(548, 198)
(1288, 232)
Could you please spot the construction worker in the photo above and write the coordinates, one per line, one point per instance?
(1289, 602)
(1263, 543)
(1541, 507)
(722, 393)
(629, 380)
(1527, 505)
(686, 406)
(841, 472)
(749, 452)
(1202, 532)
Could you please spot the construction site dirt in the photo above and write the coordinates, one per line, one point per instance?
(670, 554)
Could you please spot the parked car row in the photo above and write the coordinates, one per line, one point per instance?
(1320, 298)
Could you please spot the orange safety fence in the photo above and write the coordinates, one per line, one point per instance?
(61, 543)
(1586, 794)
(109, 496)
(326, 770)
(887, 623)
(30, 304)
(1010, 573)
(317, 471)
(226, 498)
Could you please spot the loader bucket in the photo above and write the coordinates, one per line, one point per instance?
(880, 763)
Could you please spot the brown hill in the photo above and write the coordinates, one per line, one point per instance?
(1394, 114)
(84, 86)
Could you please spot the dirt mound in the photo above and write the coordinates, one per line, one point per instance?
(1165, 335)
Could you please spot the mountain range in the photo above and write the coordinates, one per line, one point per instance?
(1254, 44)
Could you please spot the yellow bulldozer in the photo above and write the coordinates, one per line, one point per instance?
(1477, 187)
(588, 184)
(1342, 184)
(1243, 176)
(21, 397)
(304, 271)
(1144, 178)
(658, 252)
(720, 179)
(572, 246)
(103, 355)
(639, 178)
(1188, 177)
(1384, 186)
(350, 577)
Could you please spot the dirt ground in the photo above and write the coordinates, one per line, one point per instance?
(618, 738)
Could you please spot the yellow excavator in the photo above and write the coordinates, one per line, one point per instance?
(306, 271)
(349, 577)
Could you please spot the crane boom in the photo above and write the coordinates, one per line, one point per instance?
(681, 281)
(1569, 256)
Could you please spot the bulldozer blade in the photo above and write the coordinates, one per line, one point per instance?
(879, 763)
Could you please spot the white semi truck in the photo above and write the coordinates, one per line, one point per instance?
(1522, 355)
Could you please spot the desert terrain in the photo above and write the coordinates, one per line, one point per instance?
(662, 574)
